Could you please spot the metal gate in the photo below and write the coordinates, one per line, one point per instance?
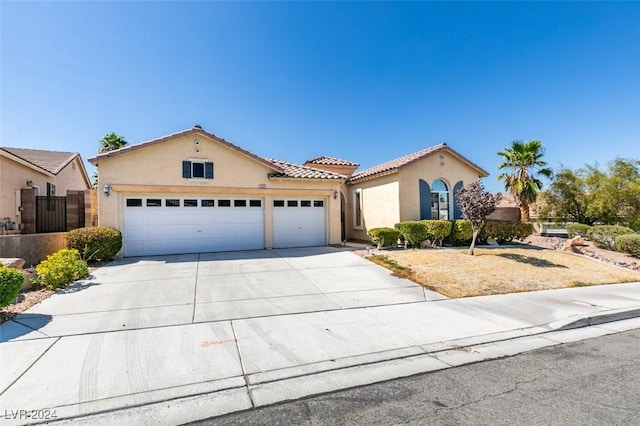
(51, 214)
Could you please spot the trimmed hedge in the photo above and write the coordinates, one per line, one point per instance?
(61, 268)
(10, 285)
(605, 235)
(437, 230)
(629, 243)
(384, 236)
(413, 232)
(461, 232)
(95, 243)
(577, 230)
(505, 232)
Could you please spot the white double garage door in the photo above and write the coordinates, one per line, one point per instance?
(173, 225)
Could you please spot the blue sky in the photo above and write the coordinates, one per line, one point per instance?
(367, 82)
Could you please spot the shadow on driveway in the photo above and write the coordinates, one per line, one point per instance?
(14, 329)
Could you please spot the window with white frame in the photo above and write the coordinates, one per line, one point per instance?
(197, 169)
(357, 208)
(439, 200)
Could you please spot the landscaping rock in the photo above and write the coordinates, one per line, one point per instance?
(29, 276)
(568, 247)
(577, 241)
(426, 244)
(573, 244)
(18, 263)
(492, 242)
(13, 262)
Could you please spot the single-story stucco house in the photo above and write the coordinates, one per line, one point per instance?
(45, 173)
(193, 191)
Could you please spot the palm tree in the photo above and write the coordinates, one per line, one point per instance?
(523, 162)
(111, 142)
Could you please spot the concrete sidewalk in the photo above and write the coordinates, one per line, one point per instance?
(183, 338)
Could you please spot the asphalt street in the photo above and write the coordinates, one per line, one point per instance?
(589, 382)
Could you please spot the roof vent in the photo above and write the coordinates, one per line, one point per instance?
(197, 126)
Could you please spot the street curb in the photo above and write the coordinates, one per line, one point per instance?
(579, 321)
(276, 387)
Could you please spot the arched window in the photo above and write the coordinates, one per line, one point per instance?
(439, 200)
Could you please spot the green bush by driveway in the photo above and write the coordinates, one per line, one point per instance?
(95, 243)
(10, 284)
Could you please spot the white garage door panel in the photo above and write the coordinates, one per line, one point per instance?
(298, 226)
(175, 230)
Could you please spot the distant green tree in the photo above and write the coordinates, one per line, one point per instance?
(591, 195)
(614, 195)
(94, 180)
(111, 142)
(523, 164)
(567, 197)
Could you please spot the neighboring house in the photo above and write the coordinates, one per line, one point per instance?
(39, 172)
(507, 209)
(194, 192)
(417, 186)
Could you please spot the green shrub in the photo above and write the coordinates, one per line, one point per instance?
(384, 236)
(504, 232)
(523, 230)
(10, 285)
(461, 232)
(437, 230)
(605, 235)
(413, 232)
(629, 243)
(61, 268)
(577, 230)
(95, 243)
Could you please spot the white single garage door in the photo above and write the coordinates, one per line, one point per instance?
(173, 225)
(298, 223)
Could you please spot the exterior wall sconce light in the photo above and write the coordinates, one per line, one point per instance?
(335, 195)
(107, 189)
(29, 183)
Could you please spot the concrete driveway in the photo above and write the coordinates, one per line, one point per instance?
(178, 338)
(159, 291)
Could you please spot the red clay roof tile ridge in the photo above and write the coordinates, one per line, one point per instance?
(292, 170)
(396, 163)
(195, 129)
(48, 160)
(331, 161)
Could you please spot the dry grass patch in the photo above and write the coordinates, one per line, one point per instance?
(500, 270)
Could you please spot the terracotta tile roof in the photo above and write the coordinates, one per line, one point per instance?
(393, 165)
(331, 161)
(297, 171)
(194, 130)
(508, 200)
(50, 161)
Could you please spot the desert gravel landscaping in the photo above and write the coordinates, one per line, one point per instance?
(450, 271)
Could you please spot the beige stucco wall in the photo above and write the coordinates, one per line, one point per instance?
(14, 176)
(399, 193)
(33, 248)
(157, 169)
(380, 200)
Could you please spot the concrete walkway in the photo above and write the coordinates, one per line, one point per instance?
(179, 338)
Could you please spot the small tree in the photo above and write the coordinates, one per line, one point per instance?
(476, 204)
